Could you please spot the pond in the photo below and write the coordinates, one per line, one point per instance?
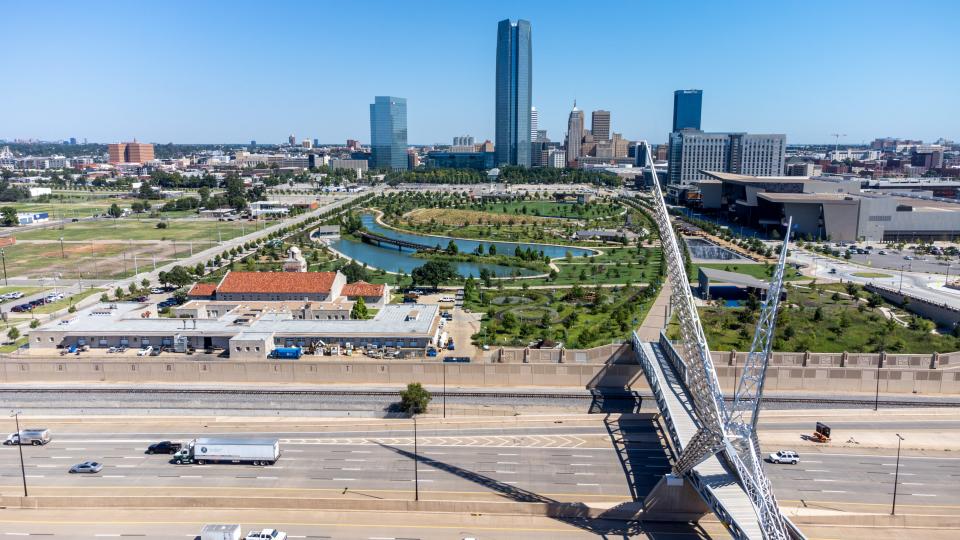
(705, 250)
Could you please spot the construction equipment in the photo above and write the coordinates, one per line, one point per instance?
(821, 434)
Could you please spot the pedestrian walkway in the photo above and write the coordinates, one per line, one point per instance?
(656, 319)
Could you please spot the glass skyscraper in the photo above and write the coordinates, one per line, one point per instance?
(388, 133)
(686, 109)
(514, 90)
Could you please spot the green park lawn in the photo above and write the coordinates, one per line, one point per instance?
(757, 270)
(553, 209)
(516, 317)
(841, 325)
(871, 275)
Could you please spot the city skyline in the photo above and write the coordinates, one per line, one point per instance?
(801, 87)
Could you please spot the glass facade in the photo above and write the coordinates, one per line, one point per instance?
(686, 109)
(388, 133)
(514, 91)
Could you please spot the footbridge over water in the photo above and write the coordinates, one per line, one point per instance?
(378, 239)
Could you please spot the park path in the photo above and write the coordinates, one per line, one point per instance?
(656, 318)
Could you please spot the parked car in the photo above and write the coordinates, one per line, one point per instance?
(145, 351)
(784, 456)
(164, 447)
(156, 290)
(88, 467)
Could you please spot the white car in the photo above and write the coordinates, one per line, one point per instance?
(784, 456)
(145, 351)
(446, 299)
(266, 534)
(156, 290)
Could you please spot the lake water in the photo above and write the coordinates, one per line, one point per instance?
(393, 259)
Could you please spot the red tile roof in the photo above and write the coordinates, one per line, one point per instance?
(203, 289)
(362, 288)
(277, 282)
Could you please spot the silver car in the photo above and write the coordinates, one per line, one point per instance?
(90, 467)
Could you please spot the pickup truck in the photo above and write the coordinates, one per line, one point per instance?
(164, 447)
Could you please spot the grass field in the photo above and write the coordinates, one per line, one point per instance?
(78, 206)
(553, 209)
(141, 229)
(758, 270)
(93, 260)
(822, 320)
(871, 275)
(615, 265)
(67, 302)
(449, 216)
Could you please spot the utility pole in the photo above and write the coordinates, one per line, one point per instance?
(416, 458)
(836, 145)
(3, 257)
(23, 472)
(896, 476)
(62, 255)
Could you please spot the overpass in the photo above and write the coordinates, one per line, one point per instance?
(716, 452)
(379, 239)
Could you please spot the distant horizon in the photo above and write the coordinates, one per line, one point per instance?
(251, 73)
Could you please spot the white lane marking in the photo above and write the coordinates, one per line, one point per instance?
(922, 494)
(508, 454)
(579, 455)
(114, 476)
(125, 466)
(351, 469)
(346, 479)
(586, 465)
(354, 460)
(288, 450)
(360, 452)
(381, 538)
(824, 480)
(507, 463)
(266, 478)
(72, 449)
(911, 483)
(831, 491)
(887, 457)
(46, 466)
(103, 535)
(506, 472)
(588, 484)
(816, 470)
(190, 476)
(62, 457)
(34, 476)
(16, 534)
(811, 461)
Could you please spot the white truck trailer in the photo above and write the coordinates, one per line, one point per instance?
(220, 532)
(229, 450)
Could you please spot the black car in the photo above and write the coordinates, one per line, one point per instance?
(164, 447)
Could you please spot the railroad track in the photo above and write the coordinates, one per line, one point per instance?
(583, 396)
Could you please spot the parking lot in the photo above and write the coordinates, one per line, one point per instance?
(888, 258)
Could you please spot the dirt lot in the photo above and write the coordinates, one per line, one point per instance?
(447, 216)
(94, 260)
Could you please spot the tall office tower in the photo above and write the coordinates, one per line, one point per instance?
(292, 140)
(534, 124)
(692, 151)
(388, 133)
(600, 125)
(253, 144)
(463, 140)
(116, 152)
(574, 135)
(686, 109)
(514, 90)
(73, 140)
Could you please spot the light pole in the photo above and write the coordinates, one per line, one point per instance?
(23, 473)
(416, 459)
(900, 290)
(896, 476)
(876, 397)
(62, 255)
(3, 257)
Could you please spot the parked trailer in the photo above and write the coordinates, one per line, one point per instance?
(229, 450)
(220, 532)
(287, 353)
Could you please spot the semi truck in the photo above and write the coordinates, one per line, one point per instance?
(34, 436)
(229, 450)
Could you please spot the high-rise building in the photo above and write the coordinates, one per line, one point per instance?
(574, 135)
(388, 133)
(463, 140)
(600, 125)
(306, 143)
(253, 143)
(687, 105)
(353, 144)
(131, 152)
(292, 140)
(692, 151)
(534, 124)
(542, 136)
(514, 91)
(73, 140)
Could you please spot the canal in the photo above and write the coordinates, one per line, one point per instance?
(392, 259)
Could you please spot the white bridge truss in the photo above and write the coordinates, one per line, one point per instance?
(728, 431)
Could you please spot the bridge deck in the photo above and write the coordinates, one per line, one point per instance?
(711, 479)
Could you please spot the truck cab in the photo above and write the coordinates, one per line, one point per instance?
(266, 534)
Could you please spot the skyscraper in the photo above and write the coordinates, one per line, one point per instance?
(514, 90)
(692, 151)
(600, 125)
(686, 109)
(534, 124)
(574, 135)
(388, 133)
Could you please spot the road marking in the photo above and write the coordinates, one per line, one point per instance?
(588, 484)
(583, 474)
(505, 472)
(354, 460)
(816, 470)
(922, 494)
(911, 483)
(586, 465)
(351, 469)
(507, 463)
(832, 491)
(823, 480)
(344, 479)
(266, 478)
(508, 454)
(114, 476)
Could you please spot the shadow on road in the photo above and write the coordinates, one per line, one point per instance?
(609, 524)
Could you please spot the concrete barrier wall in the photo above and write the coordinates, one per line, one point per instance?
(398, 373)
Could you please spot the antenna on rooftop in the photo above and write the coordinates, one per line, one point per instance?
(836, 145)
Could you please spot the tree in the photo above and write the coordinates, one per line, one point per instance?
(354, 272)
(13, 334)
(452, 248)
(198, 269)
(145, 282)
(415, 399)
(359, 310)
(434, 273)
(118, 294)
(8, 215)
(114, 211)
(179, 276)
(492, 250)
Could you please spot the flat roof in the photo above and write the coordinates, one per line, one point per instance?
(124, 320)
(735, 278)
(806, 197)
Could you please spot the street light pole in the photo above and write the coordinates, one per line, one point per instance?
(876, 397)
(62, 255)
(3, 256)
(416, 458)
(896, 476)
(444, 389)
(23, 472)
(901, 280)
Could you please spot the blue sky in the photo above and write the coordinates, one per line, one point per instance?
(235, 71)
